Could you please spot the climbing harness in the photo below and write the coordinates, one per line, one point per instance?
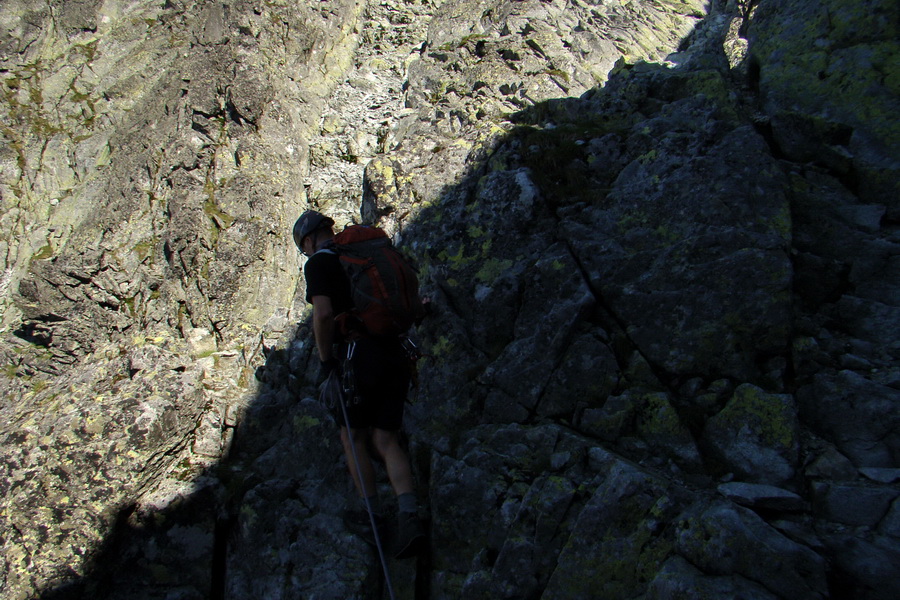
(387, 576)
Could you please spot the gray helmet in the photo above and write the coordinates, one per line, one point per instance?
(308, 223)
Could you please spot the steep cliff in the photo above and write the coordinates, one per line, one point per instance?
(661, 240)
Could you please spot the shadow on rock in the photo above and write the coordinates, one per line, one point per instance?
(626, 317)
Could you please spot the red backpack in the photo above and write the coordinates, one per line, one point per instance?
(383, 285)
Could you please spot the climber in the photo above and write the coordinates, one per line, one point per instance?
(381, 378)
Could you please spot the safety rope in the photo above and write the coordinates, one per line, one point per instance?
(362, 485)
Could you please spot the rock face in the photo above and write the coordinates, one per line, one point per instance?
(661, 241)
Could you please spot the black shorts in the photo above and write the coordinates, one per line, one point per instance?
(381, 376)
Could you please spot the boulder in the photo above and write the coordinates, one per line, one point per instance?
(756, 436)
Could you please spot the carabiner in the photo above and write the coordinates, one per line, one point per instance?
(412, 351)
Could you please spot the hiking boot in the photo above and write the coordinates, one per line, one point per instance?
(358, 523)
(411, 535)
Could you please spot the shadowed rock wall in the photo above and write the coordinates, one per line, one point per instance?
(660, 238)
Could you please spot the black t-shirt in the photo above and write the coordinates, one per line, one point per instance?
(325, 277)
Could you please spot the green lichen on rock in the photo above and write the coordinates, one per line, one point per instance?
(757, 435)
(44, 253)
(771, 416)
(834, 61)
(619, 541)
(303, 422)
(491, 269)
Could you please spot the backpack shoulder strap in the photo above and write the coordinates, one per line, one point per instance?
(359, 233)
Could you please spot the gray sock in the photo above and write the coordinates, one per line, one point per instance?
(407, 502)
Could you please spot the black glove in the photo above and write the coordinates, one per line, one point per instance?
(327, 367)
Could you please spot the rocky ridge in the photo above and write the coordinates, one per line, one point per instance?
(663, 360)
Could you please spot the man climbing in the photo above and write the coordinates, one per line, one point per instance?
(381, 378)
